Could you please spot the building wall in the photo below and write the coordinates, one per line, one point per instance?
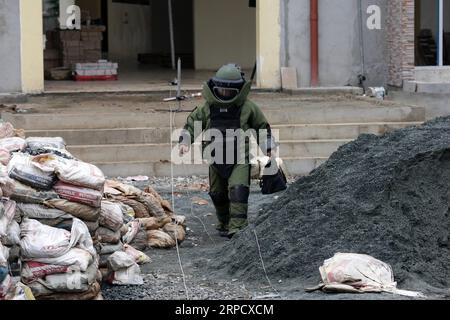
(32, 42)
(340, 55)
(94, 7)
(225, 31)
(129, 28)
(10, 79)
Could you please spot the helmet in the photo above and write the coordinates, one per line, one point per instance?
(227, 83)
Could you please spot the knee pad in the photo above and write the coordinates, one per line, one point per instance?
(239, 194)
(219, 198)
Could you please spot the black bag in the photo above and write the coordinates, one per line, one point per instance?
(271, 184)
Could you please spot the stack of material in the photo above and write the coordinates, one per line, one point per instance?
(61, 220)
(91, 42)
(65, 48)
(58, 264)
(155, 226)
(102, 70)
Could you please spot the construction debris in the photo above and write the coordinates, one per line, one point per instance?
(70, 228)
(384, 196)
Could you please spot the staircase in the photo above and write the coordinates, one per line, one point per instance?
(127, 144)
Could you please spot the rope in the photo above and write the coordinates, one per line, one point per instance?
(173, 205)
(263, 265)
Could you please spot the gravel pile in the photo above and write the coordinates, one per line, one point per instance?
(385, 196)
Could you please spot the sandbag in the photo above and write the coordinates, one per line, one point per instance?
(107, 248)
(76, 257)
(139, 209)
(36, 211)
(40, 142)
(361, 273)
(40, 241)
(59, 223)
(138, 256)
(153, 205)
(90, 197)
(181, 220)
(133, 229)
(33, 270)
(92, 226)
(111, 216)
(176, 231)
(13, 235)
(164, 203)
(81, 211)
(127, 277)
(26, 194)
(13, 144)
(140, 241)
(120, 260)
(75, 281)
(160, 239)
(5, 156)
(6, 130)
(31, 171)
(154, 223)
(126, 189)
(93, 293)
(79, 173)
(127, 211)
(105, 235)
(7, 212)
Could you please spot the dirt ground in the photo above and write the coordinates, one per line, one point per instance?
(163, 277)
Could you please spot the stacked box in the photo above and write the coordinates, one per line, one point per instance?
(102, 70)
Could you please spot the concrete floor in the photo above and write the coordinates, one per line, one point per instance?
(136, 78)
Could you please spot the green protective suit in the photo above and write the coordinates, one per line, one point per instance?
(230, 191)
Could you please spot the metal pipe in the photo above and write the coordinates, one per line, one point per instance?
(441, 33)
(314, 28)
(172, 39)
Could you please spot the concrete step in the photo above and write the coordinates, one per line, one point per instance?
(295, 167)
(162, 152)
(337, 130)
(280, 116)
(162, 135)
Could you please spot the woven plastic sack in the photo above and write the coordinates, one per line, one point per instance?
(26, 194)
(111, 216)
(79, 173)
(14, 144)
(159, 239)
(34, 143)
(90, 197)
(138, 256)
(31, 171)
(7, 212)
(361, 273)
(81, 211)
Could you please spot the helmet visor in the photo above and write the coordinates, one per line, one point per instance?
(226, 94)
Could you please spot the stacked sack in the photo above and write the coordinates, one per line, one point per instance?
(155, 225)
(58, 207)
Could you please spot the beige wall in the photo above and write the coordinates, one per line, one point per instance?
(32, 47)
(225, 31)
(129, 28)
(269, 44)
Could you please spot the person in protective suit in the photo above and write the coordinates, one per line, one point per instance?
(227, 108)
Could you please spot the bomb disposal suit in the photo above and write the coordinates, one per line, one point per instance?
(226, 119)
